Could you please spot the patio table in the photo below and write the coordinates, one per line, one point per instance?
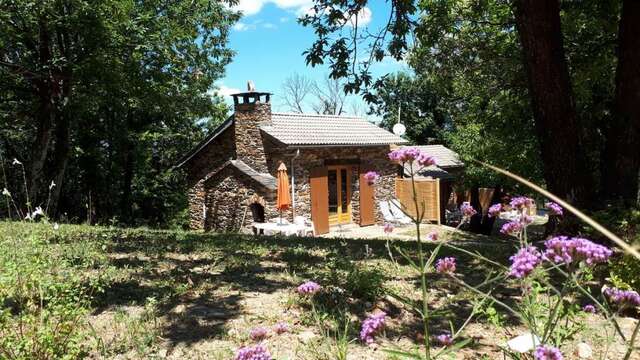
(276, 228)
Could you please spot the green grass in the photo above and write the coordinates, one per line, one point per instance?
(96, 291)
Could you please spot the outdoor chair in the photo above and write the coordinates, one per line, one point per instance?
(396, 209)
(390, 216)
(307, 225)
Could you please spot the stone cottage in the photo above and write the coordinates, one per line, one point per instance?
(234, 168)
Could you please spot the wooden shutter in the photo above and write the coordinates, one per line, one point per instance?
(367, 202)
(319, 200)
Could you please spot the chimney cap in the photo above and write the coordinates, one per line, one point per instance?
(251, 96)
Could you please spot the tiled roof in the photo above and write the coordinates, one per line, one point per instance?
(445, 157)
(432, 171)
(310, 130)
(266, 180)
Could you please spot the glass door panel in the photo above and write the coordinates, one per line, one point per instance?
(332, 180)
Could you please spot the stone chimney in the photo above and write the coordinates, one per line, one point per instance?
(252, 109)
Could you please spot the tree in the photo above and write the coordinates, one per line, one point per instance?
(109, 93)
(413, 99)
(621, 158)
(329, 97)
(564, 74)
(295, 90)
(538, 24)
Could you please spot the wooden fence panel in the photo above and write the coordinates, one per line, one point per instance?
(428, 194)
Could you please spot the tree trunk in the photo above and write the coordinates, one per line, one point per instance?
(45, 116)
(621, 157)
(564, 165)
(61, 153)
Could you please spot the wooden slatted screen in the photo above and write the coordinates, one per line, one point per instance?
(319, 200)
(428, 192)
(367, 202)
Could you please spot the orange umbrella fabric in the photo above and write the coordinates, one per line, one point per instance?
(284, 192)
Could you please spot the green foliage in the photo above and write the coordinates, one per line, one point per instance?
(359, 281)
(120, 90)
(46, 289)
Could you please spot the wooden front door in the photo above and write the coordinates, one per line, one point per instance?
(339, 194)
(319, 200)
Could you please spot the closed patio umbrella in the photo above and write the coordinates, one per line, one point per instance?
(284, 194)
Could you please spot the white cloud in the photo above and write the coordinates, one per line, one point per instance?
(223, 90)
(269, 26)
(252, 7)
(240, 26)
(364, 17)
(284, 19)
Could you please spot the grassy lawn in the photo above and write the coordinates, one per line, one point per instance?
(141, 294)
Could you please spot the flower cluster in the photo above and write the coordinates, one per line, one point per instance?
(410, 154)
(547, 352)
(467, 210)
(446, 265)
(388, 228)
(258, 333)
(521, 202)
(372, 326)
(624, 298)
(562, 249)
(258, 352)
(525, 219)
(371, 177)
(524, 261)
(309, 288)
(281, 328)
(445, 339)
(432, 236)
(589, 309)
(495, 210)
(554, 209)
(512, 228)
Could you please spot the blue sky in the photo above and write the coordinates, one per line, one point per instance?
(269, 44)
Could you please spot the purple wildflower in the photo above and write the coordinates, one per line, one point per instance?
(467, 210)
(624, 298)
(445, 339)
(524, 261)
(426, 160)
(281, 328)
(495, 210)
(410, 154)
(371, 177)
(526, 219)
(589, 308)
(554, 209)
(547, 352)
(388, 228)
(258, 333)
(432, 236)
(511, 228)
(521, 202)
(258, 352)
(446, 265)
(372, 326)
(309, 288)
(562, 249)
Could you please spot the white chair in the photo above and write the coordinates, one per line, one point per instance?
(398, 214)
(306, 226)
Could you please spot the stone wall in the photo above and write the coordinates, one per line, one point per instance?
(199, 169)
(227, 200)
(362, 159)
(248, 137)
